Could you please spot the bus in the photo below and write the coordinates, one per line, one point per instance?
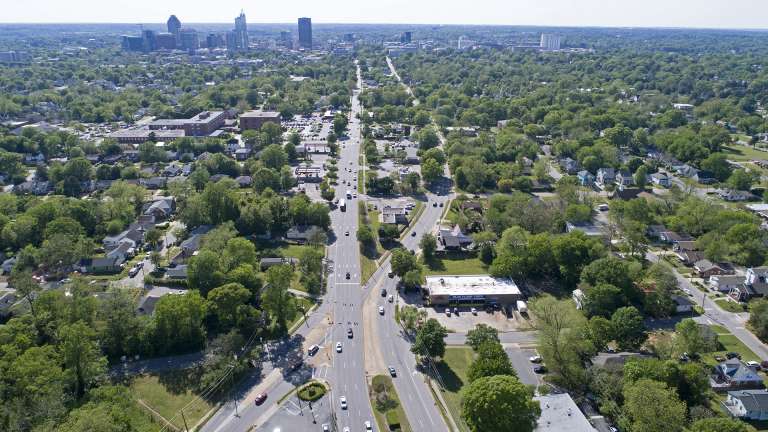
(343, 205)
(349, 194)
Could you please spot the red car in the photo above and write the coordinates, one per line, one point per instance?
(260, 398)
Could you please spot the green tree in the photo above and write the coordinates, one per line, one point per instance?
(499, 403)
(691, 338)
(178, 323)
(491, 360)
(720, 424)
(650, 406)
(741, 179)
(274, 157)
(204, 272)
(275, 298)
(225, 300)
(602, 300)
(403, 261)
(430, 339)
(628, 328)
(481, 334)
(82, 358)
(758, 318)
(431, 171)
(428, 245)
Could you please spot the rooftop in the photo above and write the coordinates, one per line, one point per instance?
(477, 284)
(559, 413)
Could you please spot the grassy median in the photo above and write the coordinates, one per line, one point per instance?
(387, 409)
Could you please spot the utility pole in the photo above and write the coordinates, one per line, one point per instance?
(186, 428)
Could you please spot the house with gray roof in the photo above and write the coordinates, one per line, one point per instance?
(559, 413)
(747, 404)
(734, 374)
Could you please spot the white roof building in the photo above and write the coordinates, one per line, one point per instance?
(472, 289)
(559, 413)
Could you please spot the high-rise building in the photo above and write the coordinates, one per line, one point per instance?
(214, 40)
(550, 42)
(148, 41)
(286, 39)
(165, 41)
(406, 37)
(305, 33)
(349, 37)
(231, 41)
(189, 40)
(174, 26)
(241, 32)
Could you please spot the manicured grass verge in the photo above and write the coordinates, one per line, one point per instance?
(389, 416)
(368, 256)
(312, 391)
(167, 394)
(729, 306)
(453, 371)
(730, 343)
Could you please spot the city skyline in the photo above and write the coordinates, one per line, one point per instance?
(747, 14)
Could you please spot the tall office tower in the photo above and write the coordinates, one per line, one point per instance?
(286, 39)
(349, 37)
(241, 32)
(189, 40)
(305, 33)
(149, 42)
(213, 40)
(549, 42)
(406, 37)
(174, 26)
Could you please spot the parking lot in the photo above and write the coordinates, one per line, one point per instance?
(466, 320)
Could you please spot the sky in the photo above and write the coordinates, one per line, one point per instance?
(604, 13)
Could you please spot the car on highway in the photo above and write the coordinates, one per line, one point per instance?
(474, 311)
(383, 292)
(346, 233)
(346, 428)
(343, 402)
(441, 204)
(540, 369)
(392, 371)
(260, 398)
(391, 275)
(434, 204)
(447, 311)
(350, 334)
(413, 233)
(133, 271)
(313, 350)
(381, 310)
(338, 347)
(368, 426)
(391, 298)
(347, 275)
(326, 428)
(535, 359)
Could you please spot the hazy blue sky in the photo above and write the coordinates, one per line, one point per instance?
(655, 13)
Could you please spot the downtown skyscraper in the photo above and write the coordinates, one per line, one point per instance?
(305, 33)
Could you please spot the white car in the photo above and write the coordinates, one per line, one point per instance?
(343, 402)
(535, 359)
(381, 310)
(368, 426)
(474, 311)
(338, 347)
(346, 428)
(687, 291)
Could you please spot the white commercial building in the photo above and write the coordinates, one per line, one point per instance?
(451, 289)
(550, 42)
(559, 413)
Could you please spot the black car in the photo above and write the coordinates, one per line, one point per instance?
(349, 333)
(413, 233)
(347, 275)
(434, 204)
(260, 398)
(383, 292)
(392, 372)
(732, 355)
(540, 369)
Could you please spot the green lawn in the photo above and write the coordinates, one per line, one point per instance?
(742, 153)
(730, 343)
(368, 256)
(303, 302)
(397, 411)
(168, 394)
(729, 306)
(456, 264)
(453, 371)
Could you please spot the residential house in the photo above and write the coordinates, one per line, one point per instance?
(755, 284)
(705, 177)
(192, 243)
(148, 302)
(605, 359)
(585, 178)
(7, 265)
(171, 170)
(682, 304)
(725, 283)
(686, 170)
(393, 215)
(154, 182)
(134, 235)
(453, 238)
(122, 253)
(244, 181)
(660, 179)
(472, 205)
(605, 176)
(569, 165)
(177, 272)
(747, 404)
(624, 179)
(303, 233)
(734, 374)
(101, 265)
(7, 299)
(161, 208)
(588, 228)
(731, 195)
(654, 231)
(706, 268)
(33, 187)
(242, 154)
(266, 263)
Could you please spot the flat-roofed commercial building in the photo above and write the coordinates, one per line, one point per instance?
(254, 120)
(143, 134)
(451, 289)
